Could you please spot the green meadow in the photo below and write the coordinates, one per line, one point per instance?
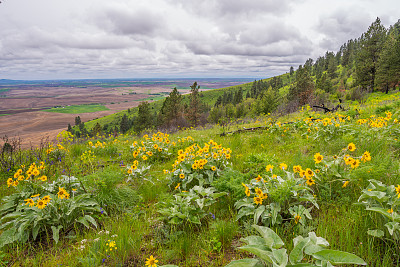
(76, 109)
(126, 200)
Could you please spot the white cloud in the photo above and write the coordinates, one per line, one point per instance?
(123, 38)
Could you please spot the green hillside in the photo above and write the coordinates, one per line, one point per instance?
(139, 201)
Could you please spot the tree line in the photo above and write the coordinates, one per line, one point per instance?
(368, 64)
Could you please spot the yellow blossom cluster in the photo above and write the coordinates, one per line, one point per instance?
(377, 122)
(33, 171)
(200, 156)
(41, 203)
(98, 144)
(88, 156)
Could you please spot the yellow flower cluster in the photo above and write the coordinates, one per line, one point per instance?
(200, 156)
(111, 245)
(150, 146)
(377, 122)
(33, 171)
(307, 174)
(259, 194)
(98, 144)
(62, 193)
(41, 203)
(88, 156)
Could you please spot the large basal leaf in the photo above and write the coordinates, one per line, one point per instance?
(381, 211)
(56, 232)
(271, 238)
(258, 212)
(338, 257)
(280, 257)
(259, 252)
(297, 253)
(376, 233)
(302, 265)
(8, 237)
(245, 263)
(254, 240)
(392, 226)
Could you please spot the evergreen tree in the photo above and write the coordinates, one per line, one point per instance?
(218, 102)
(324, 83)
(269, 101)
(96, 129)
(332, 67)
(193, 112)
(171, 109)
(78, 120)
(388, 66)
(145, 118)
(291, 71)
(303, 88)
(124, 124)
(371, 45)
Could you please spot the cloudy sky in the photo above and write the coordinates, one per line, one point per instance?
(54, 39)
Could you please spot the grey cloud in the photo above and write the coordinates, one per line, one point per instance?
(126, 21)
(342, 25)
(218, 8)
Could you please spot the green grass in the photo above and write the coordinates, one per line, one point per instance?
(76, 109)
(140, 231)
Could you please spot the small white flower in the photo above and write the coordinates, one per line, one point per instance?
(83, 241)
(96, 239)
(114, 235)
(107, 232)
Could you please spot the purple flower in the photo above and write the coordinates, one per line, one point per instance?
(213, 216)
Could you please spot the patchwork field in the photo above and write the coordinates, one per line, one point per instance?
(24, 104)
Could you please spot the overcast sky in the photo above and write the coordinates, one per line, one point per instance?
(54, 39)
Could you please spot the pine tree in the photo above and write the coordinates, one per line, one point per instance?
(145, 118)
(78, 120)
(194, 109)
(124, 124)
(371, 45)
(388, 66)
(303, 88)
(171, 109)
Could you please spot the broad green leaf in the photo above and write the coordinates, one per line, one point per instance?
(326, 264)
(83, 221)
(392, 226)
(56, 232)
(258, 212)
(338, 257)
(259, 252)
(254, 240)
(271, 238)
(302, 265)
(376, 233)
(8, 236)
(194, 219)
(35, 231)
(297, 253)
(275, 209)
(310, 249)
(381, 211)
(280, 257)
(245, 263)
(91, 219)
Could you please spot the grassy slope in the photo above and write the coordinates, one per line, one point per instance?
(76, 109)
(207, 97)
(141, 234)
